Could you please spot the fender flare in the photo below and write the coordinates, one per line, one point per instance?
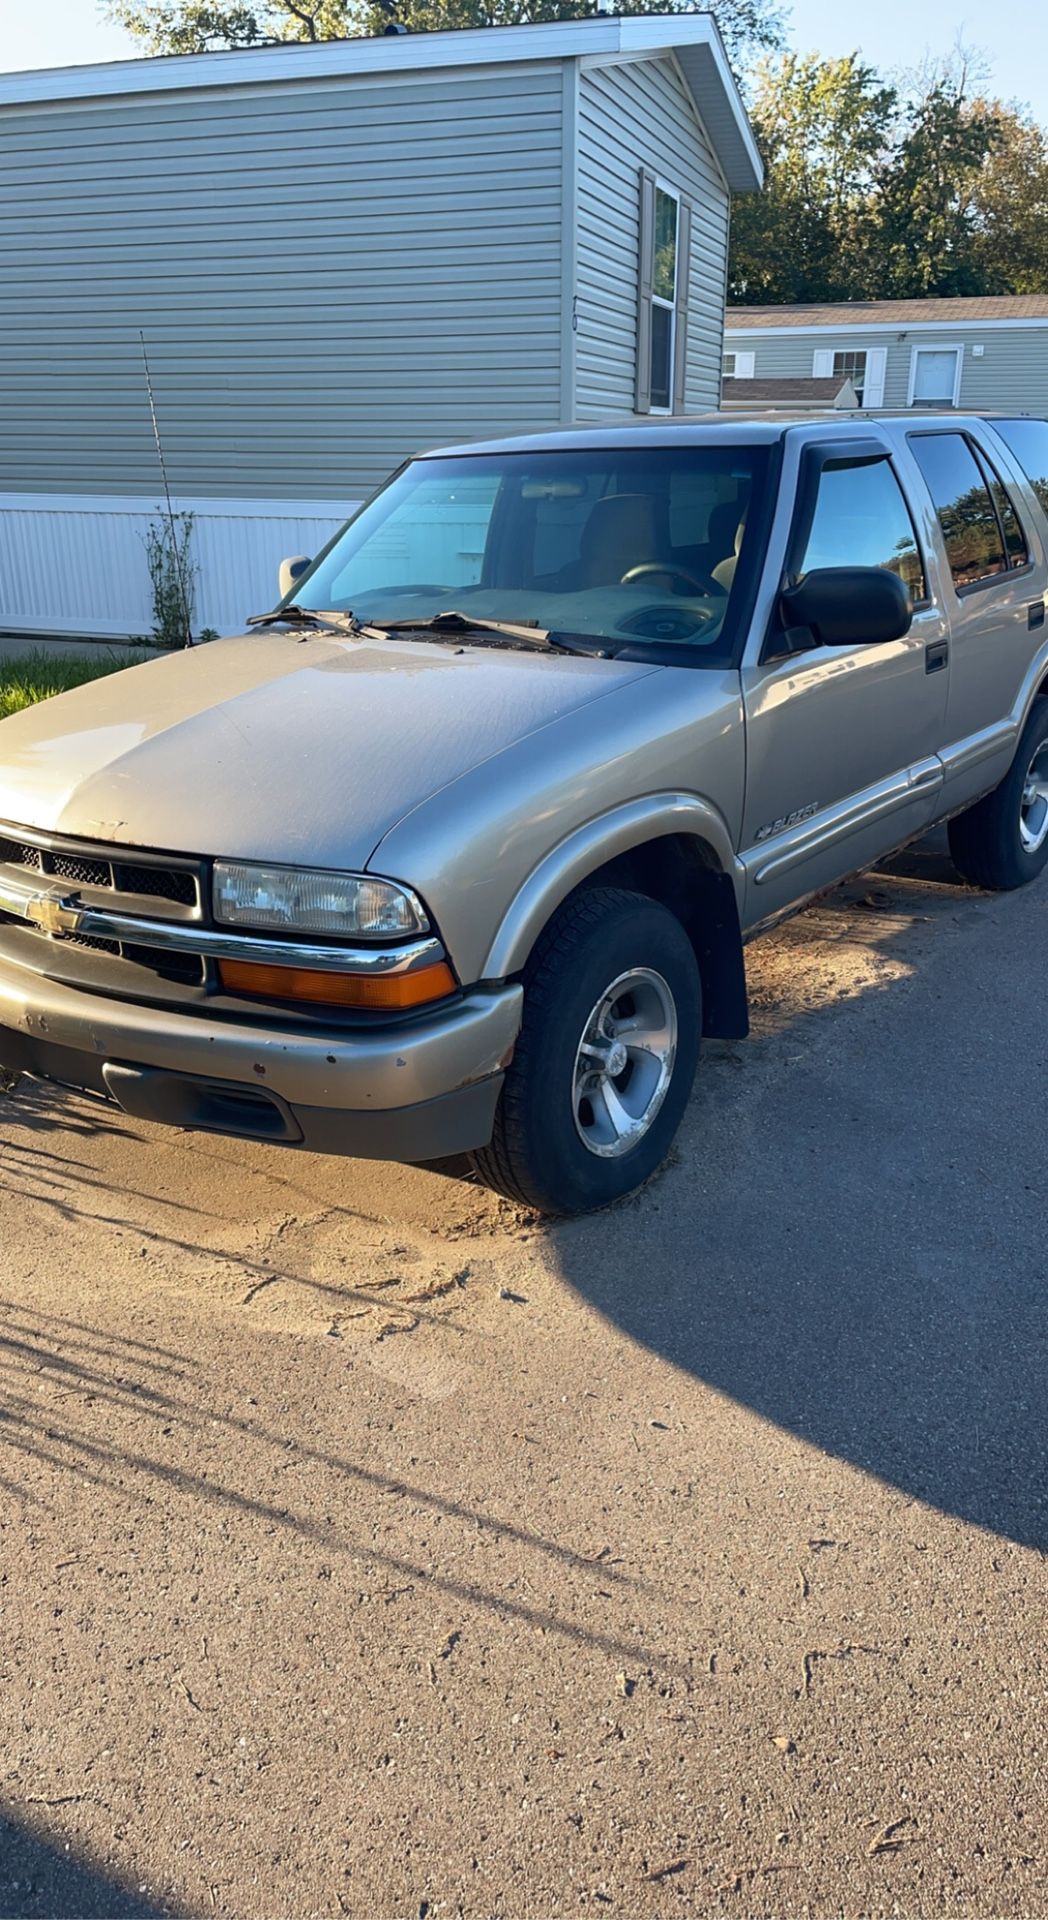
(1033, 687)
(592, 846)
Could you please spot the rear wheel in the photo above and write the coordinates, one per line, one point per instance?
(1002, 842)
(605, 1059)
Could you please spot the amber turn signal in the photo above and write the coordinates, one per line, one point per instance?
(381, 991)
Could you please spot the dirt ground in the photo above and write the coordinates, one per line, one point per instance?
(368, 1548)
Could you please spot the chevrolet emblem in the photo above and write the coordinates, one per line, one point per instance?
(56, 913)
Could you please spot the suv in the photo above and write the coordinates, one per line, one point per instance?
(456, 852)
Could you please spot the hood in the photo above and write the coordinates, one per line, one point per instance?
(279, 747)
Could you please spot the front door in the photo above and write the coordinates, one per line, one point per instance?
(842, 742)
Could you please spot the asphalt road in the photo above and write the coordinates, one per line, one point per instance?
(367, 1548)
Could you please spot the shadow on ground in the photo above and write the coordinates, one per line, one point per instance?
(40, 1880)
(850, 1241)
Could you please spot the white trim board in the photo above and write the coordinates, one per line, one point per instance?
(900, 327)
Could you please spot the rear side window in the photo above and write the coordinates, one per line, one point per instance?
(1015, 547)
(861, 520)
(970, 527)
(1028, 440)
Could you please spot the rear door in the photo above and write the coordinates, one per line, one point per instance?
(841, 742)
(994, 590)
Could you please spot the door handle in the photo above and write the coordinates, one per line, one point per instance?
(1035, 615)
(936, 656)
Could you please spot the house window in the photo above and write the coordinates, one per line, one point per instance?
(728, 366)
(851, 366)
(935, 376)
(663, 300)
(865, 367)
(738, 366)
(662, 323)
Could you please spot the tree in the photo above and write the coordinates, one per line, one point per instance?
(1009, 208)
(876, 191)
(926, 223)
(196, 26)
(822, 127)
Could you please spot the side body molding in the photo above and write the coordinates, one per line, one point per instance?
(590, 847)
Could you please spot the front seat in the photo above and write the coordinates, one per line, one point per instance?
(724, 572)
(620, 533)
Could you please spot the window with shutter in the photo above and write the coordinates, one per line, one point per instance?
(663, 298)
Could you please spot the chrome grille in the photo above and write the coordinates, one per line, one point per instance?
(123, 881)
(159, 883)
(58, 860)
(12, 854)
(89, 873)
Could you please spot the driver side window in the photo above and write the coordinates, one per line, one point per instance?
(861, 520)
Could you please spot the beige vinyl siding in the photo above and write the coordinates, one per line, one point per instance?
(633, 115)
(1012, 371)
(329, 275)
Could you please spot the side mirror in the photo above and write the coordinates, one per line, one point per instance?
(849, 606)
(292, 570)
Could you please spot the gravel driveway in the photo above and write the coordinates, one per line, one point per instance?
(368, 1548)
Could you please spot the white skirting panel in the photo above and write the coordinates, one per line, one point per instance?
(76, 564)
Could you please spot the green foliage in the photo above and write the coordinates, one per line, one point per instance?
(924, 224)
(874, 195)
(195, 26)
(822, 126)
(36, 676)
(172, 577)
(1009, 208)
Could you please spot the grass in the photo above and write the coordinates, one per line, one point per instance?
(36, 676)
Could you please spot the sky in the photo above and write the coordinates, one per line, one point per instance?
(890, 34)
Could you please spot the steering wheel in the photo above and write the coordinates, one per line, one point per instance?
(667, 568)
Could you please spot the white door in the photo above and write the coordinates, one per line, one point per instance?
(935, 376)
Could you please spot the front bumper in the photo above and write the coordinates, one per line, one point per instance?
(424, 1090)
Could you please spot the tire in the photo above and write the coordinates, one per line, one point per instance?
(570, 1132)
(1002, 842)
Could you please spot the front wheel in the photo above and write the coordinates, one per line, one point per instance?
(605, 1059)
(1002, 842)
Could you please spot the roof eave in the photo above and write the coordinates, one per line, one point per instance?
(693, 38)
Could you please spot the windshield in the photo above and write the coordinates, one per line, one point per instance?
(631, 546)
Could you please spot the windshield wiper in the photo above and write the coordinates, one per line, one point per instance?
(297, 616)
(523, 632)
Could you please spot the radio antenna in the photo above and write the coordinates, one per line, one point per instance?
(177, 557)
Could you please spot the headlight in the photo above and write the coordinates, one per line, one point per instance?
(292, 899)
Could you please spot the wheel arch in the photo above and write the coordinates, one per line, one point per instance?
(1035, 686)
(676, 849)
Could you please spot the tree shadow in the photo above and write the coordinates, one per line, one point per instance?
(41, 1881)
(93, 1381)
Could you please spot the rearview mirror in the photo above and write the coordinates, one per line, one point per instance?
(849, 606)
(292, 570)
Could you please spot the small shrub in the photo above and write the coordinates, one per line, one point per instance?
(172, 576)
